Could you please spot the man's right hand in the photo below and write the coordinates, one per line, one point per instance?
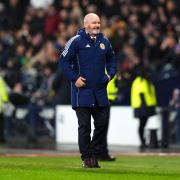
(80, 82)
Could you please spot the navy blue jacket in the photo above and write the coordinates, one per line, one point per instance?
(84, 57)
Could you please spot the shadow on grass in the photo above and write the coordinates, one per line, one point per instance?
(127, 172)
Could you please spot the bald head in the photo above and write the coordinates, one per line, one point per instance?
(91, 16)
(92, 24)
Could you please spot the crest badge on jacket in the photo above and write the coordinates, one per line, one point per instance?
(102, 46)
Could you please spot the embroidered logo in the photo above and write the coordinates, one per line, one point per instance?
(102, 46)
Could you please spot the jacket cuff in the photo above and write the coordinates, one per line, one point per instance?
(74, 79)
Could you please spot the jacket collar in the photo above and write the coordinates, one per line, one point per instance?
(83, 33)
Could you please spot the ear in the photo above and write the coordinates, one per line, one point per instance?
(85, 25)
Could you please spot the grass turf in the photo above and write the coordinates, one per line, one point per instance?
(69, 168)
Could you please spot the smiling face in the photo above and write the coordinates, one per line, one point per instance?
(92, 24)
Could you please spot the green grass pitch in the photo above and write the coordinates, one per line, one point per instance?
(69, 168)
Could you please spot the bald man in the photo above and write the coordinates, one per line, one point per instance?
(88, 61)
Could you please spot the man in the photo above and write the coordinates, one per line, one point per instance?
(84, 60)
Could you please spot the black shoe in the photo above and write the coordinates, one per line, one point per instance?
(86, 163)
(90, 163)
(107, 158)
(94, 163)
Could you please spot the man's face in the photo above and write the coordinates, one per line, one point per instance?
(92, 26)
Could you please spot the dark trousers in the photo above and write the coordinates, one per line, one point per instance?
(142, 124)
(177, 122)
(92, 147)
(104, 146)
(1, 127)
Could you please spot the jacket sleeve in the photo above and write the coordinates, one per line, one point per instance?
(67, 58)
(110, 62)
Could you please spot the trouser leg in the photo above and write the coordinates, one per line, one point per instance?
(104, 146)
(142, 124)
(177, 121)
(33, 117)
(99, 139)
(84, 131)
(1, 127)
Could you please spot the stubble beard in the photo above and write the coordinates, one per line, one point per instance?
(95, 32)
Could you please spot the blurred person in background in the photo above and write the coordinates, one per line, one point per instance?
(15, 9)
(51, 21)
(143, 101)
(175, 106)
(41, 4)
(62, 88)
(42, 97)
(84, 60)
(4, 98)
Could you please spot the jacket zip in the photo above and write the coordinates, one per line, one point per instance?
(78, 88)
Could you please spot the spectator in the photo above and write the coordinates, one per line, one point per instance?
(175, 105)
(143, 101)
(51, 21)
(41, 3)
(4, 98)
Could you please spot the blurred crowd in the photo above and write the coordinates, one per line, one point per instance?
(34, 32)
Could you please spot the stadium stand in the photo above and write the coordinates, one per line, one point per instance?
(33, 34)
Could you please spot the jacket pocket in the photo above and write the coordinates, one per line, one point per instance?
(104, 82)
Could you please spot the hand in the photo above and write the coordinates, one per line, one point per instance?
(80, 82)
